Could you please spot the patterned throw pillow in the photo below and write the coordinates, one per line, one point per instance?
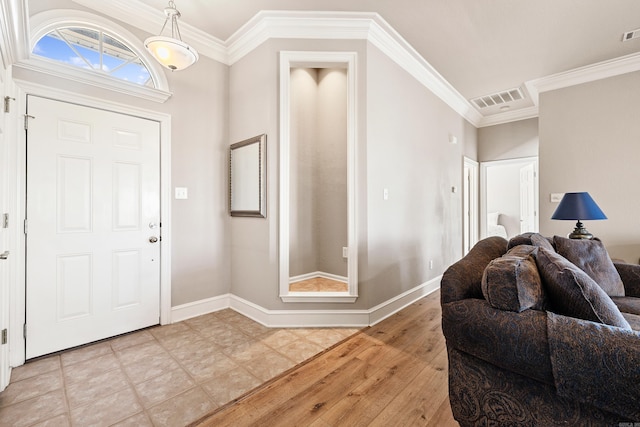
(512, 282)
(573, 293)
(592, 258)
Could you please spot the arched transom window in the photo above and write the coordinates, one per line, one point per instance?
(94, 50)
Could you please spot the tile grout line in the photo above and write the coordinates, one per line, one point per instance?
(130, 384)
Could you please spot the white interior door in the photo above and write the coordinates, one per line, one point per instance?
(93, 218)
(528, 203)
(470, 204)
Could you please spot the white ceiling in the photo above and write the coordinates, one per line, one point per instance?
(478, 46)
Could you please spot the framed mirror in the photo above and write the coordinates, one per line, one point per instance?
(247, 177)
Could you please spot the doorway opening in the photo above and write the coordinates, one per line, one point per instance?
(510, 197)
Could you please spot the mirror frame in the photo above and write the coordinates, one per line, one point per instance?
(261, 161)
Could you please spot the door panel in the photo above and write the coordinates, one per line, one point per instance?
(93, 187)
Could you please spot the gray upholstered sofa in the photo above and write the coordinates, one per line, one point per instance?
(522, 352)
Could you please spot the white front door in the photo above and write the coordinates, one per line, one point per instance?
(93, 225)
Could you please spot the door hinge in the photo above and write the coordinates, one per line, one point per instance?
(25, 226)
(5, 220)
(3, 340)
(7, 104)
(24, 331)
(26, 121)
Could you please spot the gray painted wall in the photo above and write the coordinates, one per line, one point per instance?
(590, 141)
(403, 145)
(409, 153)
(508, 141)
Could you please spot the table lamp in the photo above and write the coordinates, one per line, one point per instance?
(577, 207)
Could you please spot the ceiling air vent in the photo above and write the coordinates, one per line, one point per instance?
(499, 98)
(630, 35)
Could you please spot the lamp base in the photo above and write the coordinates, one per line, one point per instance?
(580, 232)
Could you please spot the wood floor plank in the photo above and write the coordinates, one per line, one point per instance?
(279, 392)
(305, 407)
(419, 401)
(394, 373)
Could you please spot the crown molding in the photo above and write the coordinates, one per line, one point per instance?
(263, 26)
(348, 26)
(509, 116)
(267, 25)
(600, 70)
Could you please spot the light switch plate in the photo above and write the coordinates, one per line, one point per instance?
(182, 193)
(556, 197)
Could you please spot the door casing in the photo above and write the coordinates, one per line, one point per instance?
(484, 166)
(17, 297)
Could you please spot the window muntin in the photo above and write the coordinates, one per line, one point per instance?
(94, 50)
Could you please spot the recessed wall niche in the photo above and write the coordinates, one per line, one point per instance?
(318, 180)
(318, 256)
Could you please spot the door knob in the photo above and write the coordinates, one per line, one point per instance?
(153, 239)
(4, 255)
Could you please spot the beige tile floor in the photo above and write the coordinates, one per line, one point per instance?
(163, 376)
(319, 284)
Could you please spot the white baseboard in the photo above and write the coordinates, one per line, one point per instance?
(322, 274)
(397, 303)
(305, 318)
(300, 318)
(198, 308)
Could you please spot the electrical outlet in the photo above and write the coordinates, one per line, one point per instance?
(431, 264)
(345, 252)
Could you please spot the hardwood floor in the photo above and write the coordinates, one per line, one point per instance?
(394, 373)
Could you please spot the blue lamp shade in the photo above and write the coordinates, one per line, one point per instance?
(578, 206)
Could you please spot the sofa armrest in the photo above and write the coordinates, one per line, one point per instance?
(513, 341)
(630, 275)
(596, 364)
(462, 279)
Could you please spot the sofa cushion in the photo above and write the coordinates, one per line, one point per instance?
(592, 257)
(571, 292)
(627, 304)
(512, 282)
(630, 275)
(541, 241)
(531, 239)
(520, 239)
(633, 319)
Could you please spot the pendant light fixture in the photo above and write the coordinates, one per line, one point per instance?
(171, 52)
